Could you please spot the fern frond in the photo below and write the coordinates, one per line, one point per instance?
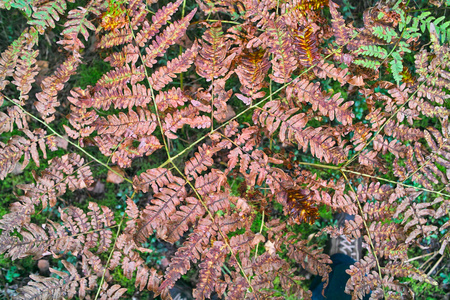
(122, 97)
(331, 107)
(121, 76)
(164, 75)
(45, 15)
(161, 17)
(191, 250)
(279, 44)
(306, 44)
(252, 71)
(26, 71)
(189, 115)
(184, 217)
(156, 215)
(362, 280)
(156, 178)
(78, 23)
(213, 60)
(9, 57)
(170, 98)
(42, 288)
(47, 100)
(134, 125)
(368, 63)
(14, 115)
(200, 161)
(210, 270)
(372, 50)
(52, 288)
(167, 38)
(123, 36)
(11, 153)
(385, 33)
(327, 70)
(77, 234)
(341, 32)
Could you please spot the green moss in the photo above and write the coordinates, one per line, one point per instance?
(89, 74)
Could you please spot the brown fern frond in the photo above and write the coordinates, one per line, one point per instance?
(158, 20)
(213, 60)
(331, 107)
(77, 234)
(167, 38)
(42, 288)
(9, 57)
(189, 115)
(300, 207)
(279, 44)
(121, 76)
(47, 100)
(11, 153)
(417, 212)
(26, 71)
(184, 217)
(191, 250)
(362, 280)
(129, 53)
(310, 259)
(122, 97)
(251, 71)
(404, 269)
(341, 32)
(157, 178)
(327, 70)
(293, 129)
(164, 75)
(14, 115)
(306, 45)
(66, 171)
(69, 285)
(116, 38)
(133, 125)
(171, 98)
(210, 270)
(200, 161)
(156, 215)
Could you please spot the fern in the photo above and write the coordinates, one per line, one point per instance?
(234, 133)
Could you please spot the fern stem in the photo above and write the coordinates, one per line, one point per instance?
(421, 256)
(435, 265)
(319, 165)
(67, 140)
(260, 231)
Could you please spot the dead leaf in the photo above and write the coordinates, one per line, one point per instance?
(98, 188)
(270, 247)
(114, 177)
(258, 238)
(228, 114)
(185, 42)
